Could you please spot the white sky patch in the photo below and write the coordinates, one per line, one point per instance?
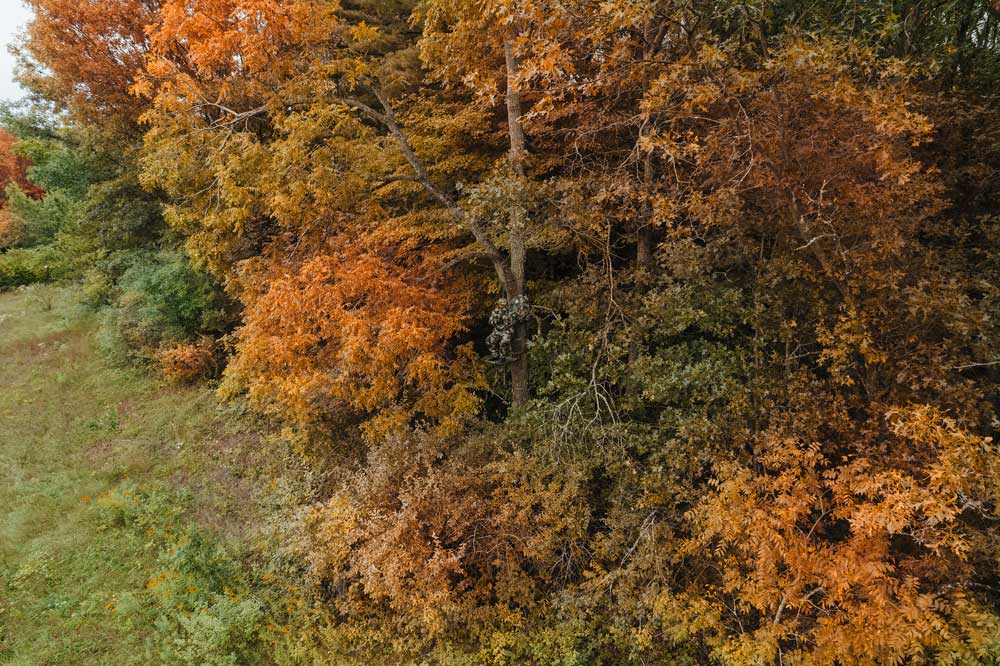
(13, 17)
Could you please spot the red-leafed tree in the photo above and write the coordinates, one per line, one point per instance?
(13, 172)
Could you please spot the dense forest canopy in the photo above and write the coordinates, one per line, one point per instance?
(624, 332)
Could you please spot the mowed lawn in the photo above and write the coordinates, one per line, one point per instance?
(72, 428)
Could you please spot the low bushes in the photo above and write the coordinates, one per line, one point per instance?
(197, 604)
(189, 361)
(27, 266)
(160, 310)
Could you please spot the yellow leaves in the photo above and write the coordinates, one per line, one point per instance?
(850, 340)
(335, 524)
(363, 33)
(829, 536)
(721, 207)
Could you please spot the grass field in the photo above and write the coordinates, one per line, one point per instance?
(77, 571)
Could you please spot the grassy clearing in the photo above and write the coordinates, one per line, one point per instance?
(106, 475)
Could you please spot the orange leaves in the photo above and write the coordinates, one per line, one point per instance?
(13, 172)
(188, 362)
(811, 157)
(214, 58)
(224, 37)
(91, 53)
(278, 185)
(848, 561)
(349, 329)
(14, 168)
(737, 261)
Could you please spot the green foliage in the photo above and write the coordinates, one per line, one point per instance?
(735, 265)
(60, 164)
(191, 598)
(97, 288)
(41, 220)
(119, 215)
(93, 206)
(167, 292)
(31, 265)
(126, 508)
(158, 299)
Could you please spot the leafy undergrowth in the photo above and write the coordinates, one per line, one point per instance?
(130, 527)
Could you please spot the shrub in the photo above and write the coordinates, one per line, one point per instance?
(27, 266)
(97, 288)
(194, 606)
(41, 220)
(189, 361)
(162, 302)
(165, 291)
(10, 229)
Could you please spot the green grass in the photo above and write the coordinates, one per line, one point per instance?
(73, 429)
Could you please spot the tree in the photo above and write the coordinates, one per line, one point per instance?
(737, 266)
(834, 535)
(368, 78)
(13, 173)
(332, 225)
(85, 56)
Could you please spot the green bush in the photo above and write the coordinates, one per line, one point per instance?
(203, 619)
(159, 300)
(27, 266)
(97, 288)
(167, 291)
(41, 219)
(118, 214)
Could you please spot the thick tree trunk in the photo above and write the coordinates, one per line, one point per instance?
(517, 292)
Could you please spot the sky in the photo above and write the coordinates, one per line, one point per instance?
(13, 16)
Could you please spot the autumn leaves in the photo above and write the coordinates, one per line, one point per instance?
(640, 331)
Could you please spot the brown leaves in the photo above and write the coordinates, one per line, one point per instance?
(189, 362)
(439, 528)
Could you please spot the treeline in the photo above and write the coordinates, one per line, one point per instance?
(624, 332)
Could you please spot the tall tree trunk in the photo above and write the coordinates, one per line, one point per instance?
(517, 294)
(645, 235)
(510, 269)
(645, 239)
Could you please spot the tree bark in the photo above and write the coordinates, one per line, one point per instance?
(518, 253)
(388, 119)
(511, 272)
(645, 240)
